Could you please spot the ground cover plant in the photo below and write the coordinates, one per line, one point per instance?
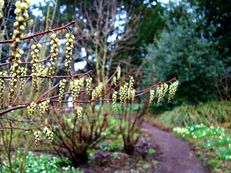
(43, 163)
(213, 144)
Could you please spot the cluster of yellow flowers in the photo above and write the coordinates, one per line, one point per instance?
(97, 92)
(47, 131)
(69, 47)
(62, 84)
(35, 67)
(79, 111)
(35, 53)
(114, 81)
(49, 134)
(127, 91)
(88, 85)
(3, 73)
(55, 43)
(1, 7)
(117, 76)
(12, 84)
(131, 90)
(31, 109)
(76, 86)
(14, 68)
(23, 72)
(118, 72)
(14, 71)
(114, 99)
(43, 107)
(16, 56)
(21, 13)
(1, 92)
(172, 90)
(161, 91)
(152, 96)
(123, 93)
(37, 135)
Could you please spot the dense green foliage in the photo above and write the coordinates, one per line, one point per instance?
(184, 53)
(217, 13)
(210, 113)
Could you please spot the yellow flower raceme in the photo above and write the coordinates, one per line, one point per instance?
(88, 85)
(152, 96)
(161, 91)
(114, 99)
(1, 7)
(69, 48)
(61, 89)
(49, 134)
(124, 92)
(35, 53)
(23, 72)
(172, 90)
(31, 109)
(97, 92)
(37, 135)
(131, 90)
(114, 80)
(76, 86)
(79, 111)
(43, 107)
(127, 91)
(21, 13)
(2, 85)
(118, 72)
(55, 44)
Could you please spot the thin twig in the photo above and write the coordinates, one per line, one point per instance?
(41, 33)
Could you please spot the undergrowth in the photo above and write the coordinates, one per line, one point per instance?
(212, 113)
(213, 145)
(42, 164)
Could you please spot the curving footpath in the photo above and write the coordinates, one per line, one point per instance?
(176, 154)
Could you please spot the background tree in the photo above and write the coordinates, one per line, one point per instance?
(217, 15)
(119, 28)
(182, 51)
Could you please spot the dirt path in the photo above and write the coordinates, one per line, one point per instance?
(176, 154)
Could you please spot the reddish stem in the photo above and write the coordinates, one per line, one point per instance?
(41, 33)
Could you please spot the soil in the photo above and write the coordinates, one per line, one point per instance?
(176, 155)
(120, 162)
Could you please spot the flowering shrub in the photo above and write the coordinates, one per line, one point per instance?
(30, 88)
